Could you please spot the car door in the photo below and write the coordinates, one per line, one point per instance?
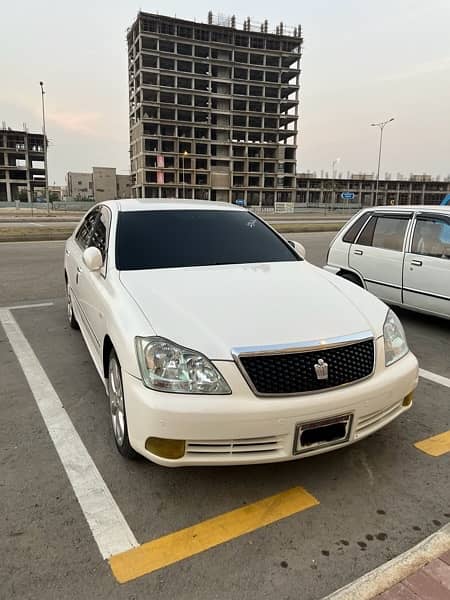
(377, 254)
(74, 252)
(91, 284)
(426, 277)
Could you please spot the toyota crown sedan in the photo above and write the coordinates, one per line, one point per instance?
(399, 253)
(218, 343)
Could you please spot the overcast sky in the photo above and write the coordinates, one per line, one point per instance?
(363, 61)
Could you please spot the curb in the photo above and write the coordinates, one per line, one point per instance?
(387, 575)
(25, 234)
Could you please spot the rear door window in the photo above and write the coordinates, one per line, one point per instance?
(385, 232)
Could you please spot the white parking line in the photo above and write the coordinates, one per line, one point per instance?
(434, 377)
(39, 305)
(107, 523)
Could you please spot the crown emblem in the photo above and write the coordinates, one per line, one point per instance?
(321, 369)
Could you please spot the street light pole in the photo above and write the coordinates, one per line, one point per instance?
(333, 170)
(47, 197)
(184, 156)
(381, 125)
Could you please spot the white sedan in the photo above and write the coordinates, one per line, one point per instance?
(218, 343)
(399, 253)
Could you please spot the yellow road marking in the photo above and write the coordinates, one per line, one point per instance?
(436, 445)
(171, 548)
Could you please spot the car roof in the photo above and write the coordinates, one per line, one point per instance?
(145, 204)
(411, 208)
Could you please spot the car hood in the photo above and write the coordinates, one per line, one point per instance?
(216, 308)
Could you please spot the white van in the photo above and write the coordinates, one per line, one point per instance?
(400, 254)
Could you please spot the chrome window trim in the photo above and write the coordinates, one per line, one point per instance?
(299, 347)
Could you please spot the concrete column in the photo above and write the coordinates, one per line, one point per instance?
(8, 190)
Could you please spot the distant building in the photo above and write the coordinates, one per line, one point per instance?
(123, 186)
(359, 190)
(22, 170)
(79, 185)
(213, 109)
(102, 184)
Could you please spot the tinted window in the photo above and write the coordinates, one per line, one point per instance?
(365, 239)
(189, 238)
(84, 233)
(432, 237)
(100, 233)
(384, 232)
(354, 229)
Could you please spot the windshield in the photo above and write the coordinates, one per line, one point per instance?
(162, 239)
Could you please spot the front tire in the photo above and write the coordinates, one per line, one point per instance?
(70, 315)
(117, 408)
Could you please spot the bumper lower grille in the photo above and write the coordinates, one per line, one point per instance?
(295, 372)
(270, 444)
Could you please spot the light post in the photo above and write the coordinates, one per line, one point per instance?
(41, 83)
(381, 125)
(333, 170)
(185, 153)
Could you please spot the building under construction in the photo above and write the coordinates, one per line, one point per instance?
(22, 168)
(213, 109)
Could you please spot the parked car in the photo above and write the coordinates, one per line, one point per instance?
(400, 254)
(218, 343)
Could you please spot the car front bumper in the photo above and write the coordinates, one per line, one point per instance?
(242, 428)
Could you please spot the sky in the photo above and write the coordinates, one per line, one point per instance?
(363, 61)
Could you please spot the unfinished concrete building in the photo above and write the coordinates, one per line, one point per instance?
(22, 169)
(213, 109)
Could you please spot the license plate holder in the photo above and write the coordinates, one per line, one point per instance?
(321, 433)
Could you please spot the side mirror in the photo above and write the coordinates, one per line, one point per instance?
(299, 248)
(92, 258)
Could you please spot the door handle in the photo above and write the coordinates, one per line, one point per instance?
(416, 263)
(358, 252)
(79, 270)
(67, 252)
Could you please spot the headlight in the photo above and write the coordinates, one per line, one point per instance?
(395, 345)
(167, 367)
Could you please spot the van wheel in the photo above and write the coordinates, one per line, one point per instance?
(351, 277)
(117, 408)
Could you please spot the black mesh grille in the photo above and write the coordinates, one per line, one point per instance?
(294, 373)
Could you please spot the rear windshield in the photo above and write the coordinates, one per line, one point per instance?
(191, 238)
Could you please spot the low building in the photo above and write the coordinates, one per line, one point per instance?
(361, 190)
(102, 184)
(22, 168)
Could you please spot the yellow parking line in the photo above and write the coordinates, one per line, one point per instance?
(171, 548)
(436, 445)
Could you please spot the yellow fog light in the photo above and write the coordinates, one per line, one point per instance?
(165, 448)
(407, 400)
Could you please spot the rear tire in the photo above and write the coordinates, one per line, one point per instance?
(70, 316)
(117, 408)
(351, 277)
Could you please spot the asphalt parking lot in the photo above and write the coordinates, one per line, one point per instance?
(374, 499)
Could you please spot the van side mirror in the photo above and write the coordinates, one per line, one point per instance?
(299, 248)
